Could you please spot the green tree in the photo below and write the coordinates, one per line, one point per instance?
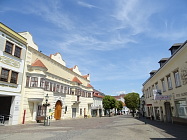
(109, 102)
(132, 101)
(119, 105)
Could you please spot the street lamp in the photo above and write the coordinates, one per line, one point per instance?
(45, 105)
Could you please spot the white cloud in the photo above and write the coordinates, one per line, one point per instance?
(134, 14)
(86, 4)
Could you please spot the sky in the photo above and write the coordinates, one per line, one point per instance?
(117, 42)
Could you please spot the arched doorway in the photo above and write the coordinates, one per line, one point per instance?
(58, 109)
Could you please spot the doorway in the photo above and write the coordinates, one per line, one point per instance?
(58, 110)
(73, 112)
(168, 111)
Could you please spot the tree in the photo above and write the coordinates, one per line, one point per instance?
(132, 101)
(119, 105)
(109, 102)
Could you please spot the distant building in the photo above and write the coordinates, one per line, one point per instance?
(165, 91)
(97, 106)
(12, 62)
(121, 98)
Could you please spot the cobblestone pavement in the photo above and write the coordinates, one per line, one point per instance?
(105, 128)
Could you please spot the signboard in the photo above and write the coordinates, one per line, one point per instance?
(162, 97)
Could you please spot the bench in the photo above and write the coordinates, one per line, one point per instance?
(40, 118)
(85, 116)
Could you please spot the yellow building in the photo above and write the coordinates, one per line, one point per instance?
(165, 92)
(12, 62)
(69, 93)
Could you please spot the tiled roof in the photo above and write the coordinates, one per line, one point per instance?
(38, 63)
(75, 79)
(97, 95)
(89, 85)
(85, 76)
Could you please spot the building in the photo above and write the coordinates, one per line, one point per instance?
(12, 62)
(69, 92)
(165, 91)
(122, 99)
(97, 106)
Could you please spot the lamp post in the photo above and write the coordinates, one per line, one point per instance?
(46, 104)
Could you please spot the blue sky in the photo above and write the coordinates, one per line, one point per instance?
(118, 42)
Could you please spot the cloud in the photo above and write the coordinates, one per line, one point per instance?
(134, 15)
(86, 4)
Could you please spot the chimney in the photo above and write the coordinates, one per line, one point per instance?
(175, 47)
(152, 72)
(163, 61)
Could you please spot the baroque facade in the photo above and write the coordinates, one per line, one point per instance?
(12, 62)
(165, 92)
(69, 93)
(33, 85)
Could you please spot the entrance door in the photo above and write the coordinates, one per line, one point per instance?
(168, 111)
(73, 112)
(58, 109)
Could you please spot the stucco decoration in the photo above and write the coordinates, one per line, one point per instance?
(58, 57)
(29, 38)
(76, 70)
(184, 75)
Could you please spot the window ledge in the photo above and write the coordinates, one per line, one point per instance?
(6, 84)
(18, 58)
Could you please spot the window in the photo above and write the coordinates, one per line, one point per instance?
(42, 82)
(41, 111)
(181, 108)
(4, 74)
(51, 86)
(169, 82)
(80, 111)
(8, 47)
(57, 88)
(65, 90)
(163, 85)
(156, 85)
(34, 82)
(27, 81)
(54, 87)
(17, 52)
(89, 94)
(46, 85)
(62, 89)
(14, 77)
(177, 79)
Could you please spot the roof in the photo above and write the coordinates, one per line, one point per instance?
(163, 59)
(181, 46)
(89, 85)
(97, 95)
(75, 79)
(38, 63)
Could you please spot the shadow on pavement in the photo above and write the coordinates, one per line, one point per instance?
(176, 130)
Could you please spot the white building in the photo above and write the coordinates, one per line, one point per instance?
(97, 106)
(12, 62)
(69, 92)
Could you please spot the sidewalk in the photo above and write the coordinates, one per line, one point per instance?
(175, 130)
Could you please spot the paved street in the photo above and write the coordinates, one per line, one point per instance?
(106, 128)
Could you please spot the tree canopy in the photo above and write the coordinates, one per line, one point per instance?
(132, 101)
(109, 102)
(119, 105)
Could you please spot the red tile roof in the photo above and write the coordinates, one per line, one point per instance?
(89, 85)
(97, 95)
(38, 63)
(75, 79)
(85, 76)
